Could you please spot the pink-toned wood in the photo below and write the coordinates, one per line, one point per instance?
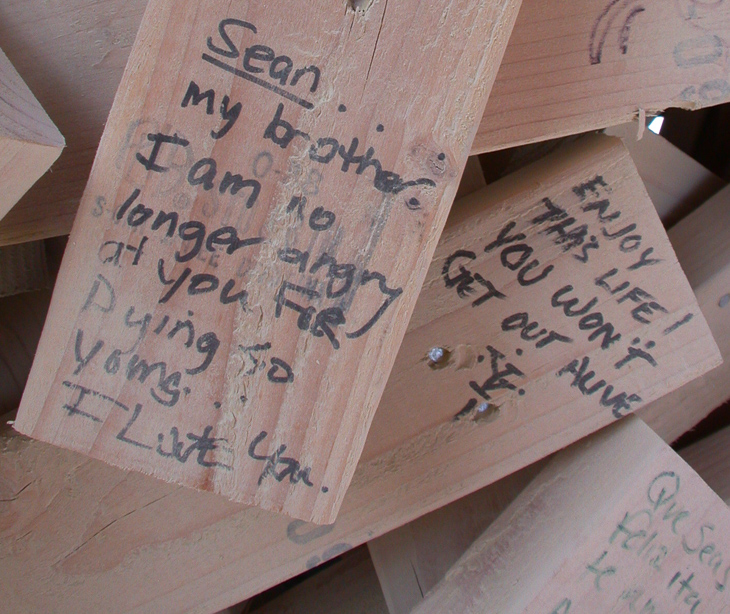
(676, 183)
(546, 87)
(121, 546)
(617, 522)
(700, 241)
(573, 67)
(298, 274)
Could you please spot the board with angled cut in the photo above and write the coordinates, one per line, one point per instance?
(547, 86)
(253, 236)
(700, 241)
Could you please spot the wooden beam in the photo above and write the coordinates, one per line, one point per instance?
(29, 142)
(619, 518)
(701, 246)
(409, 468)
(546, 86)
(412, 560)
(700, 241)
(579, 67)
(292, 237)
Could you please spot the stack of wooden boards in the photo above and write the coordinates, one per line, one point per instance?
(244, 272)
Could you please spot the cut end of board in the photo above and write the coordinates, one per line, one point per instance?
(29, 141)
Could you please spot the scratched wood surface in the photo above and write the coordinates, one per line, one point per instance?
(701, 243)
(546, 86)
(216, 553)
(29, 141)
(250, 244)
(618, 522)
(404, 558)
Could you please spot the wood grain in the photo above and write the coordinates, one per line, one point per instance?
(413, 559)
(275, 206)
(405, 555)
(29, 141)
(700, 241)
(575, 67)
(617, 521)
(546, 86)
(121, 525)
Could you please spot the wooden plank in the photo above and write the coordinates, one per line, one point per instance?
(676, 183)
(348, 586)
(710, 457)
(701, 246)
(546, 86)
(598, 63)
(29, 141)
(618, 522)
(299, 283)
(540, 360)
(216, 553)
(700, 241)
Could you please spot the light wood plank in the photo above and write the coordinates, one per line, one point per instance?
(701, 243)
(617, 522)
(413, 559)
(574, 67)
(216, 553)
(546, 87)
(29, 141)
(302, 283)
